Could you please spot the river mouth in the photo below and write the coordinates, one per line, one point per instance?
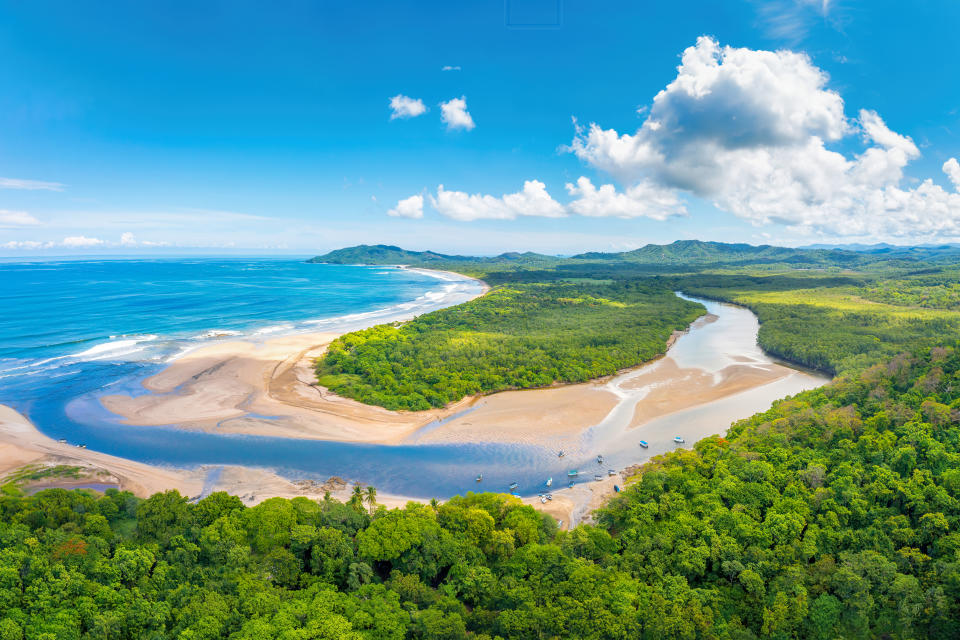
(603, 419)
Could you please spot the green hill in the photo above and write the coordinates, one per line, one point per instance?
(386, 254)
(687, 252)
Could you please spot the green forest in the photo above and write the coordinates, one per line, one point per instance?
(516, 336)
(833, 515)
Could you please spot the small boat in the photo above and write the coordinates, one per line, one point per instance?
(480, 477)
(560, 453)
(513, 485)
(644, 444)
(550, 482)
(572, 473)
(62, 441)
(598, 477)
(616, 488)
(570, 484)
(515, 495)
(599, 459)
(549, 496)
(543, 499)
(611, 472)
(678, 440)
(82, 446)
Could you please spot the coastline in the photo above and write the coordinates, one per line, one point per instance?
(216, 387)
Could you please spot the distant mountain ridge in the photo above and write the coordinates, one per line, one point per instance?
(679, 252)
(390, 254)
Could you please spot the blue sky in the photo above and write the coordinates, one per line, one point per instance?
(239, 126)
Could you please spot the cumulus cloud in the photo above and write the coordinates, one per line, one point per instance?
(533, 200)
(642, 200)
(454, 113)
(952, 168)
(9, 219)
(127, 239)
(402, 106)
(81, 242)
(749, 130)
(411, 207)
(30, 185)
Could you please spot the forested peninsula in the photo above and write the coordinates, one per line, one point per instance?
(832, 515)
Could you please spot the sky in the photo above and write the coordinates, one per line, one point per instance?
(557, 126)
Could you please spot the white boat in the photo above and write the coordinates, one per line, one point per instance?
(598, 477)
(678, 440)
(513, 485)
(549, 482)
(611, 472)
(543, 499)
(560, 453)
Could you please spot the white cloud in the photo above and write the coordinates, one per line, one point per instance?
(10, 219)
(749, 131)
(454, 113)
(411, 207)
(402, 106)
(448, 67)
(27, 244)
(642, 200)
(127, 239)
(30, 185)
(533, 200)
(952, 168)
(791, 20)
(81, 242)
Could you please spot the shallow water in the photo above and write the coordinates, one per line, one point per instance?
(59, 380)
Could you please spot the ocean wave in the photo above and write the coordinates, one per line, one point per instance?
(99, 350)
(277, 328)
(216, 333)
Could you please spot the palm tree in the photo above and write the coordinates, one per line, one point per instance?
(371, 498)
(356, 500)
